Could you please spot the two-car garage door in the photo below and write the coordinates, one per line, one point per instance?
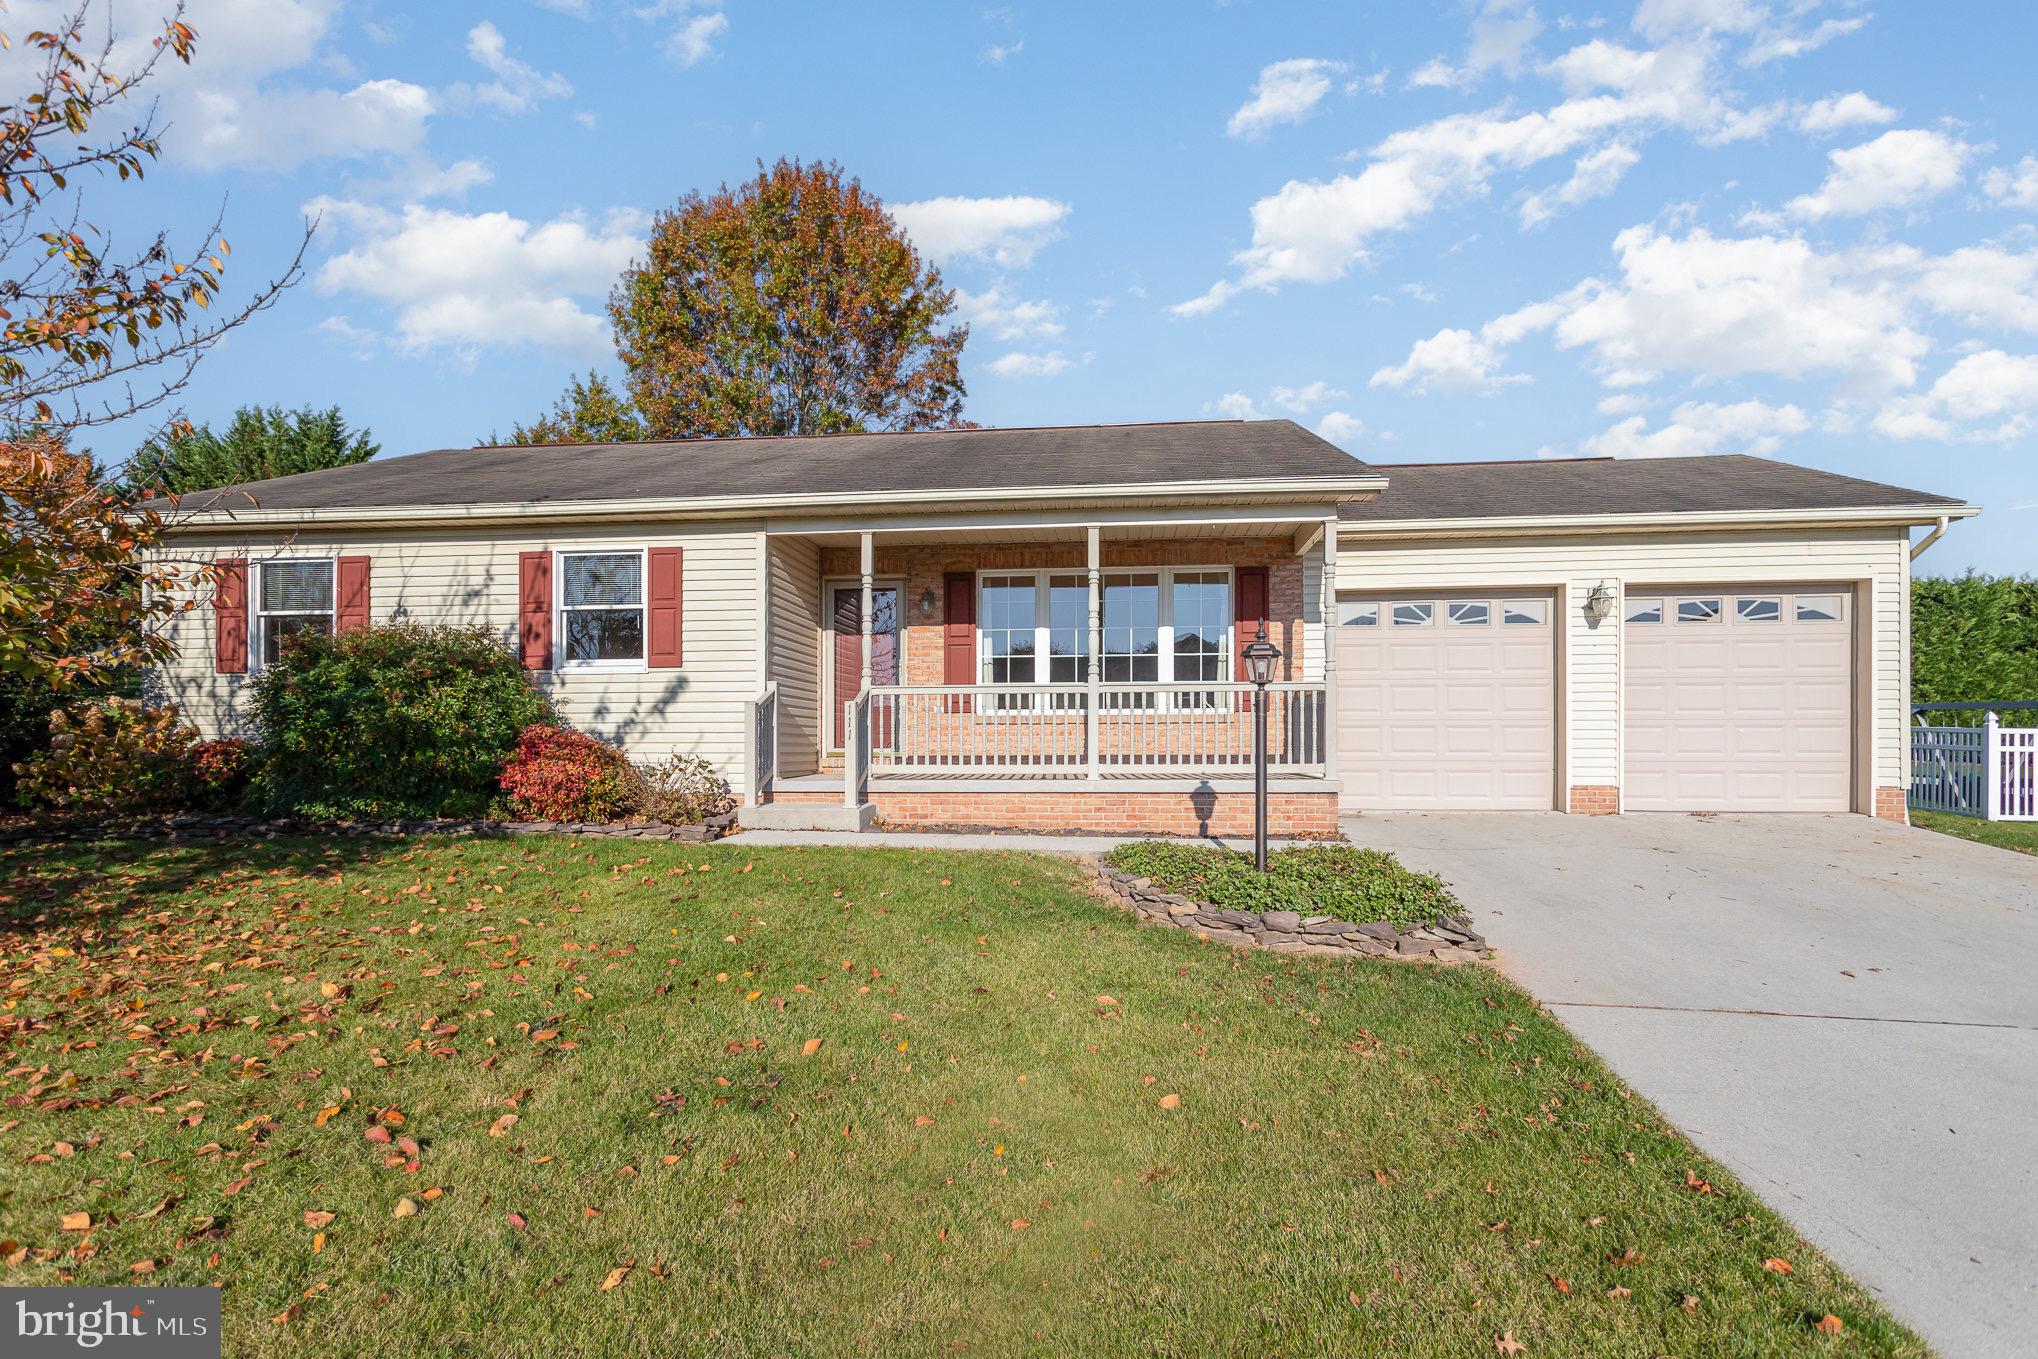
(1735, 698)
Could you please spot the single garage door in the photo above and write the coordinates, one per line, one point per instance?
(1739, 699)
(1446, 701)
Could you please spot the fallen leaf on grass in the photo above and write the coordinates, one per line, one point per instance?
(1690, 1304)
(77, 1222)
(238, 1185)
(1020, 1224)
(1695, 1184)
(810, 1047)
(1561, 1285)
(501, 1126)
(1171, 1101)
(405, 1207)
(1507, 1344)
(1829, 1325)
(516, 1220)
(379, 1135)
(617, 1275)
(1776, 1266)
(316, 1218)
(1617, 1293)
(146, 1266)
(923, 1122)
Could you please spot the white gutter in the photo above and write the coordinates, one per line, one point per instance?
(1918, 548)
(1688, 521)
(1296, 488)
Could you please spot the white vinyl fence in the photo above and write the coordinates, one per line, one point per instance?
(1989, 771)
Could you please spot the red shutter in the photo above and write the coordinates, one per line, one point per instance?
(352, 615)
(534, 609)
(1249, 611)
(959, 632)
(230, 607)
(662, 598)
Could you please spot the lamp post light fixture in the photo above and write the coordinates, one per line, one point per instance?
(1260, 655)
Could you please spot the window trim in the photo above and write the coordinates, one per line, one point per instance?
(1164, 620)
(258, 626)
(560, 660)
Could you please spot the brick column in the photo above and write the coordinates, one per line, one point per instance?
(1893, 804)
(1593, 799)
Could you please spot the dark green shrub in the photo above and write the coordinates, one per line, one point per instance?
(1353, 884)
(1974, 640)
(388, 723)
(111, 755)
(557, 774)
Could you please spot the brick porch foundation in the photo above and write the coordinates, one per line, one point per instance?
(1593, 799)
(1114, 812)
(1893, 804)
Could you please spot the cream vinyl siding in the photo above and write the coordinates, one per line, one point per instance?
(793, 566)
(1876, 561)
(470, 578)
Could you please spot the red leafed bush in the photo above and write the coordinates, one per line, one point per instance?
(219, 771)
(560, 775)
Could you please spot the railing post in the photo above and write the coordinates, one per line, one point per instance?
(1093, 670)
(1327, 607)
(850, 755)
(750, 753)
(1991, 769)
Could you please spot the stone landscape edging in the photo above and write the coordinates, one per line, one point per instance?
(195, 826)
(1449, 939)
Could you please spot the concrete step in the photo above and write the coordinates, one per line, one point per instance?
(806, 816)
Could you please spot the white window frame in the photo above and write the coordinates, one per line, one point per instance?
(559, 609)
(1165, 620)
(258, 617)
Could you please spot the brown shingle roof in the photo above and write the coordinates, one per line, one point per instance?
(958, 460)
(1720, 482)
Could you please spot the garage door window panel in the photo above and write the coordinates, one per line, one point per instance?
(1645, 611)
(1758, 609)
(1469, 613)
(1698, 610)
(1818, 608)
(1414, 615)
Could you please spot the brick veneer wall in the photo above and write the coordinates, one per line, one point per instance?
(923, 568)
(1594, 799)
(1893, 804)
(1114, 811)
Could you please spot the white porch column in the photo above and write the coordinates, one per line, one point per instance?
(1093, 668)
(864, 548)
(1328, 609)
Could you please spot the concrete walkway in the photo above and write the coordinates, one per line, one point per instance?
(1843, 1011)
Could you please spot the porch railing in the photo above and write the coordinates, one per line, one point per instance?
(856, 748)
(1045, 730)
(761, 734)
(1990, 771)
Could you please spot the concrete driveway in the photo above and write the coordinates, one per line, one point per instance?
(1843, 1011)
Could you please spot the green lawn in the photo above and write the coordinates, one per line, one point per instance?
(1029, 1127)
(2017, 835)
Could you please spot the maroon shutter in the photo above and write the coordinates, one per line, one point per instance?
(959, 631)
(534, 609)
(230, 607)
(1249, 612)
(352, 615)
(662, 597)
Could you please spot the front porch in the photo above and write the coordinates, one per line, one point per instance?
(1048, 675)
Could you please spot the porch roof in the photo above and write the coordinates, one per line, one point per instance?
(1189, 458)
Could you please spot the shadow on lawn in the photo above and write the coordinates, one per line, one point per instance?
(45, 887)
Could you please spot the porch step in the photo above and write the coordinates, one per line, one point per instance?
(806, 816)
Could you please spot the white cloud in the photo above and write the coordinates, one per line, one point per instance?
(577, 9)
(1286, 92)
(1341, 428)
(1843, 111)
(1982, 285)
(1781, 45)
(1005, 317)
(1450, 360)
(275, 130)
(1660, 19)
(1897, 169)
(1987, 396)
(1435, 74)
(693, 41)
(1233, 406)
(994, 55)
(1702, 427)
(2016, 188)
(1623, 403)
(1008, 231)
(463, 281)
(1501, 35)
(1021, 364)
(518, 86)
(1302, 400)
(1595, 175)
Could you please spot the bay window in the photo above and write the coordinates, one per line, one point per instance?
(1170, 626)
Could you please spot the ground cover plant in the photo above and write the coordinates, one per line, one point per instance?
(2018, 835)
(1337, 880)
(539, 1096)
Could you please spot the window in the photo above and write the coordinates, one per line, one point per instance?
(1414, 615)
(293, 597)
(1361, 615)
(1698, 610)
(1818, 608)
(1467, 613)
(601, 608)
(1644, 611)
(1159, 627)
(1516, 612)
(1758, 609)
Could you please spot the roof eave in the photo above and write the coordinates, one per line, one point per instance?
(1516, 526)
(1301, 489)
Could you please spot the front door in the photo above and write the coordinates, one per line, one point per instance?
(847, 614)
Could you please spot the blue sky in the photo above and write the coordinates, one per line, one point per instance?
(1490, 230)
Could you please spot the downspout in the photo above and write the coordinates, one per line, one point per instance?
(1918, 548)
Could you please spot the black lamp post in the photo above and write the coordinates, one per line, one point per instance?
(1260, 655)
